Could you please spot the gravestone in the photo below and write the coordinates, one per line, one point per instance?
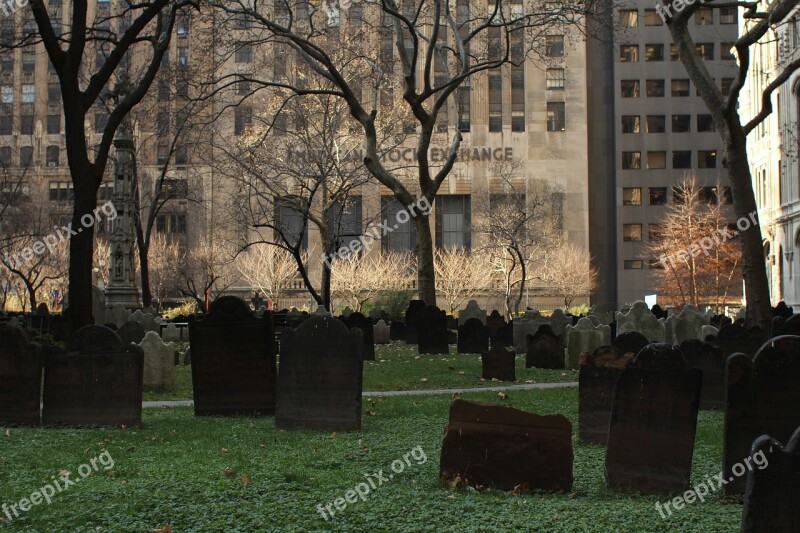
(640, 319)
(147, 320)
(42, 310)
(472, 310)
(559, 321)
(631, 342)
(686, 325)
(397, 330)
(494, 322)
(658, 312)
(720, 321)
(452, 323)
(452, 337)
(98, 306)
(762, 398)
(381, 333)
(773, 491)
(358, 320)
(597, 381)
(233, 360)
(171, 333)
(494, 446)
(97, 381)
(653, 423)
(20, 378)
(736, 339)
(708, 331)
(473, 337)
(499, 363)
(527, 324)
(790, 326)
(604, 317)
(432, 331)
(415, 307)
(504, 336)
(118, 315)
(782, 310)
(320, 379)
(319, 311)
(131, 333)
(347, 312)
(545, 349)
(159, 363)
(187, 356)
(708, 358)
(584, 337)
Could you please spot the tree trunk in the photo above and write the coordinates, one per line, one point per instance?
(426, 275)
(522, 282)
(326, 285)
(144, 264)
(81, 247)
(31, 294)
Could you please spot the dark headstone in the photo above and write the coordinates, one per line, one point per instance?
(631, 342)
(772, 489)
(782, 310)
(658, 312)
(499, 363)
(545, 349)
(233, 360)
(452, 323)
(473, 337)
(736, 339)
(762, 398)
(42, 310)
(494, 322)
(653, 423)
(359, 321)
(319, 384)
(504, 336)
(720, 321)
(131, 332)
(597, 380)
(97, 382)
(504, 448)
(111, 326)
(790, 326)
(415, 307)
(20, 378)
(709, 359)
(452, 337)
(432, 331)
(397, 330)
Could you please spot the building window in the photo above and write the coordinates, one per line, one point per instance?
(25, 156)
(633, 264)
(53, 124)
(704, 17)
(183, 23)
(53, 155)
(7, 94)
(632, 196)
(630, 124)
(464, 106)
(554, 46)
(727, 15)
(243, 119)
(680, 87)
(656, 124)
(244, 54)
(707, 159)
(629, 53)
(556, 116)
(183, 56)
(631, 232)
(402, 238)
(26, 124)
(453, 225)
(28, 93)
(54, 92)
(629, 88)
(657, 195)
(726, 52)
(631, 160)
(290, 223)
(517, 98)
(705, 50)
(682, 159)
(162, 153)
(656, 160)
(628, 18)
(653, 232)
(655, 88)
(652, 18)
(673, 52)
(5, 124)
(708, 195)
(654, 52)
(495, 101)
(60, 191)
(555, 78)
(725, 86)
(705, 123)
(5, 156)
(346, 221)
(182, 155)
(28, 60)
(681, 123)
(677, 196)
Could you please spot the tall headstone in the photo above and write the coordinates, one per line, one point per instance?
(320, 379)
(499, 363)
(653, 423)
(545, 349)
(762, 398)
(639, 318)
(584, 338)
(397, 330)
(472, 310)
(159, 363)
(708, 358)
(494, 322)
(381, 333)
(20, 378)
(736, 339)
(559, 322)
(357, 320)
(233, 360)
(473, 337)
(432, 331)
(415, 307)
(118, 315)
(597, 381)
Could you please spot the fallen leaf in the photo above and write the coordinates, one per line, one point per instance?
(502, 395)
(333, 435)
(63, 473)
(461, 373)
(8, 433)
(230, 472)
(456, 395)
(245, 479)
(424, 380)
(223, 450)
(165, 529)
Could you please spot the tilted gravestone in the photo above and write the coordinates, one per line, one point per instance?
(131, 332)
(597, 381)
(397, 330)
(709, 359)
(499, 363)
(358, 320)
(432, 331)
(762, 397)
(495, 446)
(473, 337)
(472, 310)
(415, 307)
(584, 338)
(233, 360)
(686, 325)
(20, 378)
(381, 333)
(773, 486)
(98, 381)
(639, 318)
(159, 363)
(631, 342)
(545, 349)
(653, 423)
(320, 379)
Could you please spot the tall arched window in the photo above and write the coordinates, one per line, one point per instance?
(52, 155)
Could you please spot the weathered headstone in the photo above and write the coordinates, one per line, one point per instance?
(773, 486)
(584, 337)
(494, 446)
(320, 379)
(686, 325)
(504, 336)
(597, 381)
(527, 324)
(159, 363)
(736, 339)
(171, 333)
(397, 330)
(233, 360)
(473, 337)
(358, 320)
(545, 349)
(499, 363)
(472, 310)
(708, 331)
(432, 331)
(640, 319)
(20, 378)
(494, 322)
(98, 381)
(415, 307)
(381, 333)
(347, 311)
(118, 315)
(653, 423)
(762, 398)
(709, 359)
(559, 321)
(131, 333)
(631, 342)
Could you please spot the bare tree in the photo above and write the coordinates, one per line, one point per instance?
(269, 270)
(358, 278)
(761, 18)
(461, 275)
(164, 273)
(207, 269)
(102, 260)
(566, 269)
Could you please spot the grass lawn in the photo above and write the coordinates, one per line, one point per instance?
(398, 366)
(240, 474)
